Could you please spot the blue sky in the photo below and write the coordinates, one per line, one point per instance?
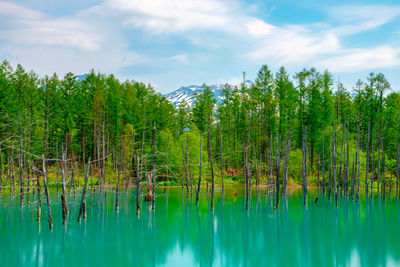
(182, 42)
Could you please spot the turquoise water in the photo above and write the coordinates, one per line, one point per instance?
(179, 234)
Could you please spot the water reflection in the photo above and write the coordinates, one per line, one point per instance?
(177, 233)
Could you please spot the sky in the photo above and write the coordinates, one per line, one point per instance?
(174, 43)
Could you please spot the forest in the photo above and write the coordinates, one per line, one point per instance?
(306, 130)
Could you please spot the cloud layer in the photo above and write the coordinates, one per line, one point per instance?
(160, 40)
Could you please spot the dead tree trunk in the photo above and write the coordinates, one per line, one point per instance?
(348, 163)
(38, 193)
(200, 167)
(210, 158)
(323, 160)
(119, 163)
(137, 184)
(154, 168)
(47, 192)
(187, 164)
(330, 164)
(184, 171)
(82, 209)
(130, 163)
(245, 172)
(21, 182)
(58, 183)
(1, 172)
(341, 178)
(287, 153)
(383, 176)
(64, 200)
(277, 171)
(367, 163)
(358, 154)
(167, 167)
(305, 166)
(335, 191)
(398, 171)
(222, 161)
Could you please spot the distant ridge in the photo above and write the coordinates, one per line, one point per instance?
(188, 93)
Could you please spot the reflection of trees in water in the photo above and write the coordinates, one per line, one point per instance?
(320, 235)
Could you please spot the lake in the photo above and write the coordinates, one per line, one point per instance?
(177, 233)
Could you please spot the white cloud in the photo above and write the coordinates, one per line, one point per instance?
(259, 28)
(360, 59)
(102, 37)
(11, 9)
(355, 19)
(183, 58)
(31, 27)
(294, 44)
(320, 45)
(160, 16)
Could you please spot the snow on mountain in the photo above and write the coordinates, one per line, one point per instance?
(188, 93)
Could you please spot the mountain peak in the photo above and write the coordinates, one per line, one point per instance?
(188, 93)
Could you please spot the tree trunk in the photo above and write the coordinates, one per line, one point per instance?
(137, 184)
(323, 160)
(367, 163)
(358, 154)
(38, 193)
(305, 165)
(398, 171)
(277, 172)
(21, 182)
(210, 158)
(200, 167)
(184, 171)
(119, 163)
(154, 168)
(47, 192)
(222, 161)
(130, 163)
(82, 209)
(335, 191)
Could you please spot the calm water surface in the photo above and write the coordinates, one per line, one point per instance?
(178, 233)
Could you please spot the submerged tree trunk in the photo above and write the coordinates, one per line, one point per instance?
(210, 158)
(323, 160)
(184, 171)
(330, 164)
(119, 163)
(187, 164)
(137, 184)
(222, 161)
(367, 162)
(398, 171)
(348, 163)
(47, 192)
(39, 207)
(305, 166)
(335, 191)
(277, 172)
(154, 168)
(64, 200)
(131, 163)
(383, 176)
(200, 167)
(82, 209)
(341, 176)
(358, 154)
(287, 153)
(1, 172)
(245, 173)
(21, 182)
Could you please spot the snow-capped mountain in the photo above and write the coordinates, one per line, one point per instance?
(188, 93)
